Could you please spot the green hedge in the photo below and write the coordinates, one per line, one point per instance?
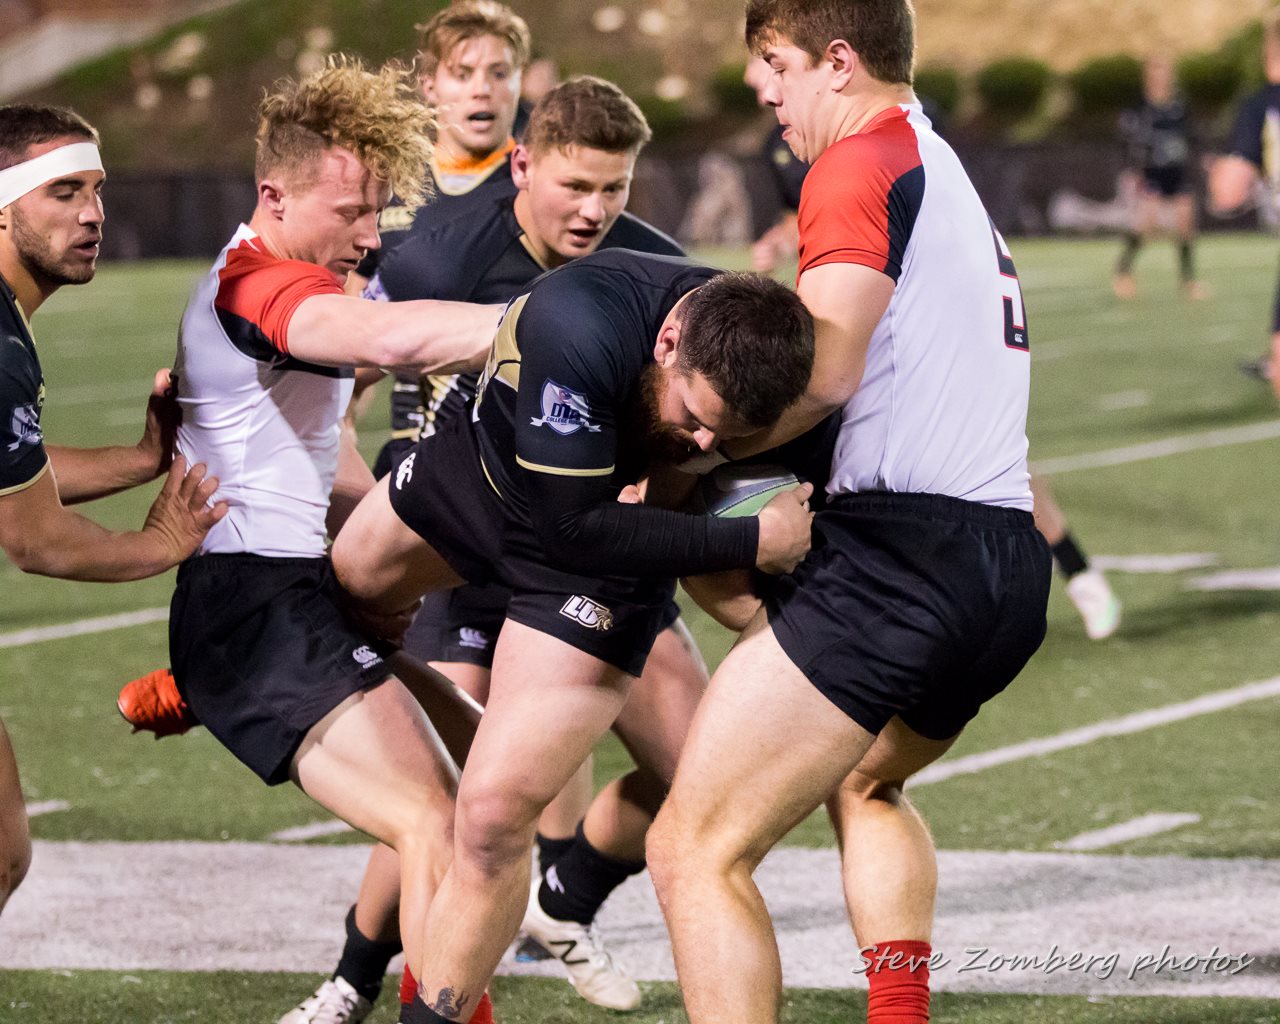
(1106, 85)
(1210, 80)
(940, 84)
(1013, 88)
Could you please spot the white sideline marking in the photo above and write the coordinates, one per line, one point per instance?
(1159, 449)
(1239, 579)
(46, 807)
(102, 624)
(1138, 828)
(1154, 563)
(1123, 726)
(315, 830)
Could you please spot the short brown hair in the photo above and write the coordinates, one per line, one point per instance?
(23, 125)
(590, 112)
(470, 19)
(752, 338)
(881, 32)
(377, 115)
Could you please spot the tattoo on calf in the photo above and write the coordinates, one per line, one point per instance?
(449, 1005)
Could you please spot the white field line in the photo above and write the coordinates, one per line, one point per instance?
(1138, 828)
(84, 627)
(46, 807)
(1138, 722)
(1238, 579)
(1183, 562)
(1159, 449)
(317, 829)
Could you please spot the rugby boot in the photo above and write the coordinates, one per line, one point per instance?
(152, 704)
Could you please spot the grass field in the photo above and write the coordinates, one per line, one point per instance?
(1106, 376)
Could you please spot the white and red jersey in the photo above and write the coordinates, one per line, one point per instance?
(942, 407)
(265, 423)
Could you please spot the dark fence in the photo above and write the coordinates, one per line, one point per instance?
(193, 214)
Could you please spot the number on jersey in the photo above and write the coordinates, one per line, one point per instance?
(1015, 312)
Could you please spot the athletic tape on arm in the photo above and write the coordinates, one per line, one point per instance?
(18, 180)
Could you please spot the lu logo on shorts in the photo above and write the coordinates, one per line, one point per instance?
(585, 612)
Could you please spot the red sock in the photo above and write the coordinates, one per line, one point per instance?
(484, 1010)
(408, 987)
(899, 980)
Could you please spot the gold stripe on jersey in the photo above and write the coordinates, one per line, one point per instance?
(528, 247)
(562, 471)
(22, 487)
(504, 357)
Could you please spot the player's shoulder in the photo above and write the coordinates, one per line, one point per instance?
(447, 259)
(12, 326)
(889, 144)
(630, 232)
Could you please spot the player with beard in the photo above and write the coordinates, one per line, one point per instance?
(51, 219)
(602, 363)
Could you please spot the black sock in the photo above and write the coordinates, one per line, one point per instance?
(1186, 264)
(418, 1012)
(1132, 243)
(581, 879)
(1071, 560)
(364, 962)
(551, 850)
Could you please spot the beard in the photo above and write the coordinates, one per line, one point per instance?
(46, 266)
(662, 442)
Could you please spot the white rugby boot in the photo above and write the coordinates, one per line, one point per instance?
(1096, 602)
(589, 965)
(334, 1002)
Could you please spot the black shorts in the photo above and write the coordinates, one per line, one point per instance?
(1166, 182)
(389, 454)
(916, 605)
(441, 492)
(261, 651)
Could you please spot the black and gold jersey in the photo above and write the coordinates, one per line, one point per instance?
(787, 169)
(1256, 134)
(483, 258)
(458, 192)
(22, 456)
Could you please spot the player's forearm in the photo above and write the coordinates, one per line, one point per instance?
(84, 474)
(637, 540)
(70, 547)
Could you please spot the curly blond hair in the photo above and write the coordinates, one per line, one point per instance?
(377, 115)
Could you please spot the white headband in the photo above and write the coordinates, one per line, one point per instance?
(18, 180)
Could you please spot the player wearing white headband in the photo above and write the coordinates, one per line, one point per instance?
(50, 229)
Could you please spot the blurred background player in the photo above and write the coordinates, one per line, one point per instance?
(573, 173)
(776, 246)
(51, 220)
(1251, 165)
(1158, 137)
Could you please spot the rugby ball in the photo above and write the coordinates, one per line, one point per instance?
(740, 489)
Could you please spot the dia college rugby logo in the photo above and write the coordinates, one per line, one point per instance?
(24, 425)
(564, 411)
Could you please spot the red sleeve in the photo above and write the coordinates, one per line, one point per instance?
(860, 201)
(266, 292)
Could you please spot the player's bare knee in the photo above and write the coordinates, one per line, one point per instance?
(13, 869)
(493, 830)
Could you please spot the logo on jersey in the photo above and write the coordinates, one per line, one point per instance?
(365, 657)
(24, 424)
(585, 612)
(404, 471)
(395, 218)
(473, 638)
(564, 411)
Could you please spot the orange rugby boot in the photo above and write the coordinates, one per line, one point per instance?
(153, 704)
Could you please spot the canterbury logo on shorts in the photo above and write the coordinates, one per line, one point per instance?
(586, 612)
(404, 471)
(365, 656)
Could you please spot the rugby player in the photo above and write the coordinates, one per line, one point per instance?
(1158, 135)
(605, 366)
(926, 588)
(573, 174)
(260, 646)
(51, 220)
(1253, 160)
